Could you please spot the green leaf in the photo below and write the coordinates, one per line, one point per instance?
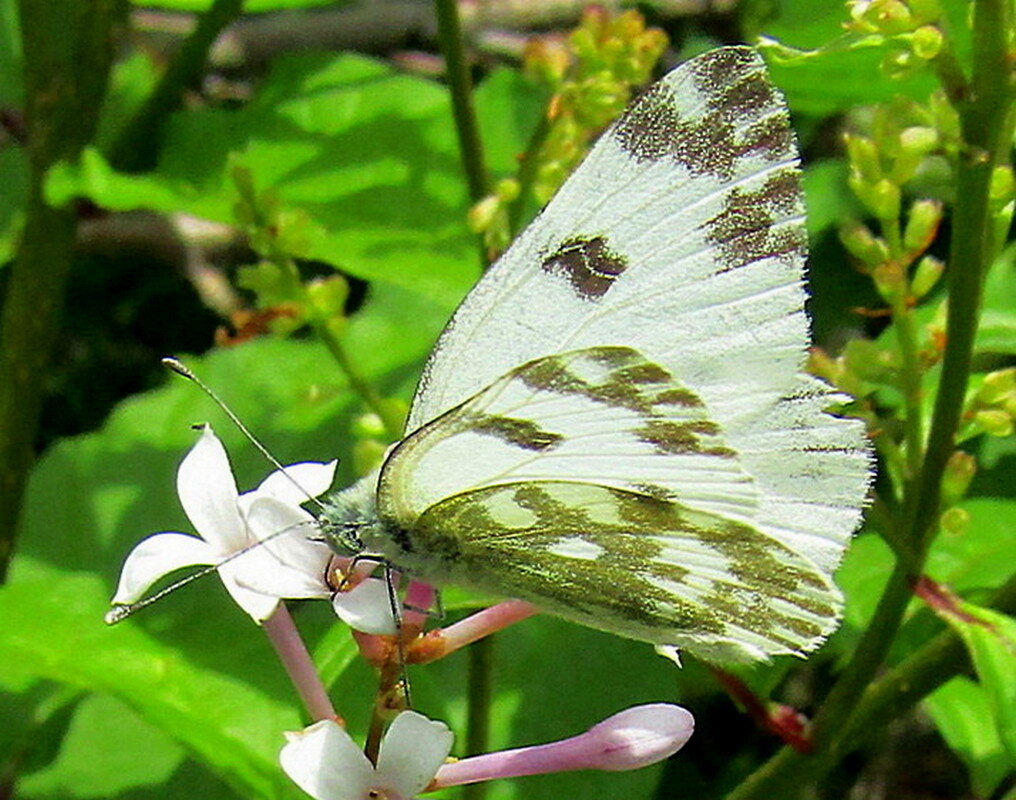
(983, 556)
(829, 200)
(233, 728)
(960, 709)
(367, 154)
(990, 638)
(997, 331)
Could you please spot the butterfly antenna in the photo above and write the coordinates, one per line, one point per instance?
(180, 369)
(119, 613)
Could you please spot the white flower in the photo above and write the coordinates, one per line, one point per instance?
(230, 523)
(325, 762)
(364, 606)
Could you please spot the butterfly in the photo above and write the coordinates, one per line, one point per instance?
(615, 425)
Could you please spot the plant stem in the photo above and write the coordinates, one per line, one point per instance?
(789, 772)
(461, 87)
(388, 416)
(137, 147)
(67, 47)
(983, 117)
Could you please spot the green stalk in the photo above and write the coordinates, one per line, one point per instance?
(67, 48)
(461, 87)
(137, 146)
(787, 774)
(985, 120)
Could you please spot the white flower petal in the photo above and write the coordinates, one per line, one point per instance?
(412, 751)
(258, 605)
(326, 763)
(299, 482)
(367, 607)
(208, 494)
(285, 529)
(156, 556)
(261, 571)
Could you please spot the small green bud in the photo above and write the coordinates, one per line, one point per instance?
(881, 198)
(868, 361)
(507, 190)
(863, 245)
(926, 42)
(998, 387)
(327, 297)
(959, 472)
(1003, 186)
(922, 225)
(368, 426)
(955, 521)
(863, 156)
(918, 140)
(929, 270)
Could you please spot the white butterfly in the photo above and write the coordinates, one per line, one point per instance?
(615, 425)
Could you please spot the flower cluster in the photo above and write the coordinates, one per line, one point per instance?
(262, 545)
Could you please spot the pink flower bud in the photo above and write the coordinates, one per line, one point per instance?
(633, 738)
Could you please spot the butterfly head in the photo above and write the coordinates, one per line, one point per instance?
(348, 515)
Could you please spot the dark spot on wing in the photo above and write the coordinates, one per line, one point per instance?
(741, 115)
(649, 127)
(589, 265)
(682, 438)
(744, 230)
(522, 433)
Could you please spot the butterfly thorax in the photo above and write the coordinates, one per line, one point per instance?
(352, 526)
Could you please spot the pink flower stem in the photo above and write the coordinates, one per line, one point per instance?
(292, 652)
(439, 643)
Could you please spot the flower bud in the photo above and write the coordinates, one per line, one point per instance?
(863, 156)
(959, 472)
(922, 224)
(998, 387)
(863, 245)
(918, 140)
(926, 42)
(929, 270)
(994, 422)
(955, 521)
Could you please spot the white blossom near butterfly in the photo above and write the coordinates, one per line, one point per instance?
(616, 424)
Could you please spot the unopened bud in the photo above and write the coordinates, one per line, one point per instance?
(994, 422)
(926, 42)
(918, 140)
(998, 387)
(959, 472)
(863, 245)
(863, 156)
(955, 521)
(929, 270)
(881, 198)
(922, 224)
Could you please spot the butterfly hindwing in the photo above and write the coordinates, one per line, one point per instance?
(568, 482)
(632, 564)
